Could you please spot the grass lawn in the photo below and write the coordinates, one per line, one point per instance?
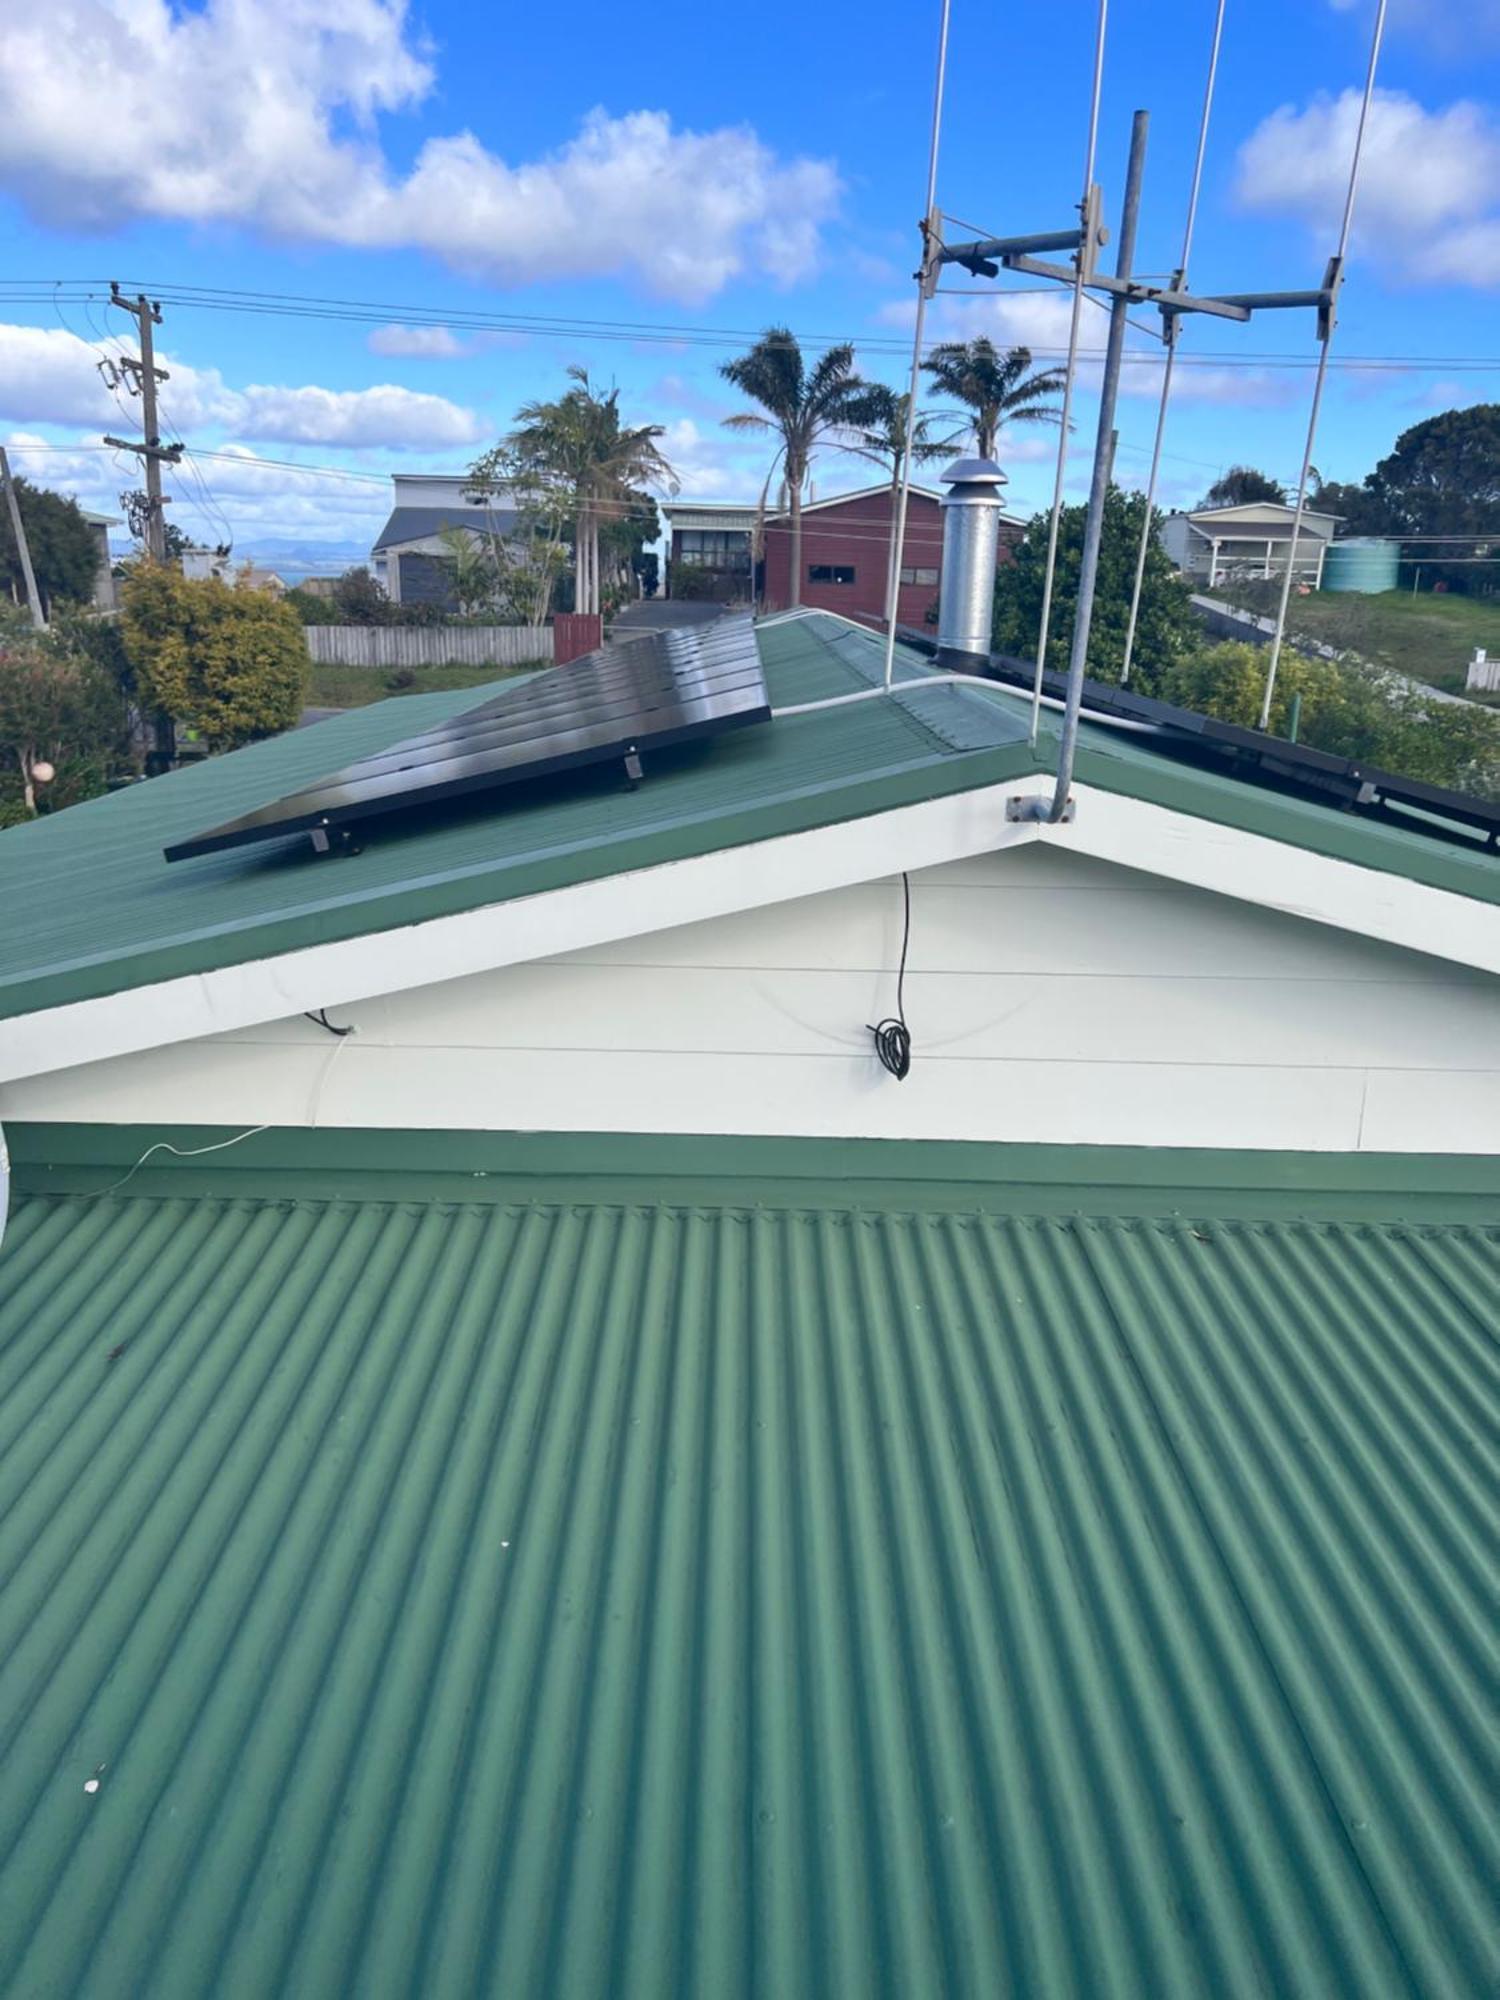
(1431, 638)
(352, 687)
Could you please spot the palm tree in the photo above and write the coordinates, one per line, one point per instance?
(997, 386)
(880, 435)
(579, 445)
(803, 406)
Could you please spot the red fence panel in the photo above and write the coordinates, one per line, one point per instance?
(575, 633)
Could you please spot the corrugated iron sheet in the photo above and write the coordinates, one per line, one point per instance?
(403, 1597)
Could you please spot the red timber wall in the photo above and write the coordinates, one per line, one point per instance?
(855, 534)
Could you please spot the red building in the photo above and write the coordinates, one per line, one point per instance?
(845, 546)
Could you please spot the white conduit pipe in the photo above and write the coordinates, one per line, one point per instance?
(1091, 154)
(1171, 360)
(898, 526)
(1322, 374)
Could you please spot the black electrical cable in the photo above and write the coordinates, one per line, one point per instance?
(892, 1036)
(322, 1021)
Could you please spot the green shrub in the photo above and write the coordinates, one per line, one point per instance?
(1348, 710)
(57, 707)
(227, 661)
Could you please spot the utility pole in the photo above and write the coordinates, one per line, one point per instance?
(142, 376)
(18, 529)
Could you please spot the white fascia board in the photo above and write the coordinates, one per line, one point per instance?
(1392, 909)
(531, 927)
(1129, 833)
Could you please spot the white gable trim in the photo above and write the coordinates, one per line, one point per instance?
(1127, 832)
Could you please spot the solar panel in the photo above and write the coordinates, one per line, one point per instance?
(616, 703)
(1460, 818)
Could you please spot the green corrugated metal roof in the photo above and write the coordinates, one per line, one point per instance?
(791, 1592)
(92, 908)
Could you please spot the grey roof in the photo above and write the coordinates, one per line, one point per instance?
(1260, 531)
(415, 524)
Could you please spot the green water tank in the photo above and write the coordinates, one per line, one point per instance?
(1365, 562)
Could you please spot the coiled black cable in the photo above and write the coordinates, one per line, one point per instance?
(892, 1036)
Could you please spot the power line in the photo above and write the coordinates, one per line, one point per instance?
(311, 306)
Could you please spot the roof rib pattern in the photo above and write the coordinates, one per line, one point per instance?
(501, 1597)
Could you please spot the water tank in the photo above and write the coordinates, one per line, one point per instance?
(1365, 563)
(971, 538)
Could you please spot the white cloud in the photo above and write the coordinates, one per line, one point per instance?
(424, 343)
(1449, 27)
(256, 500)
(385, 415)
(51, 376)
(705, 463)
(1429, 192)
(440, 343)
(282, 137)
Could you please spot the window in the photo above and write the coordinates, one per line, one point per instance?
(919, 576)
(830, 573)
(714, 548)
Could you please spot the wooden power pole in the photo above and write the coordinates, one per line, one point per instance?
(142, 374)
(18, 529)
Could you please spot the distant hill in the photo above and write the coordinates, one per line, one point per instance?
(292, 557)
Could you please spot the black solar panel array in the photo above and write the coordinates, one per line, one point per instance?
(616, 703)
(1460, 818)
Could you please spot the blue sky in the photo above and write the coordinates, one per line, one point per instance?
(679, 176)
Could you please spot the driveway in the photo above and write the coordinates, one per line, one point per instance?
(661, 614)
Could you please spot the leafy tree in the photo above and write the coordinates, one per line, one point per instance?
(136, 508)
(572, 462)
(312, 607)
(528, 519)
(471, 570)
(1356, 506)
(1166, 630)
(359, 599)
(228, 661)
(1241, 485)
(803, 407)
(996, 385)
(64, 551)
(622, 547)
(60, 708)
(1443, 478)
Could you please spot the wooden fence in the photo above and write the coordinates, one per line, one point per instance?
(429, 645)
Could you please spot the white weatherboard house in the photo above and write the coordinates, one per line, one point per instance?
(1191, 962)
(532, 1463)
(409, 556)
(1211, 544)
